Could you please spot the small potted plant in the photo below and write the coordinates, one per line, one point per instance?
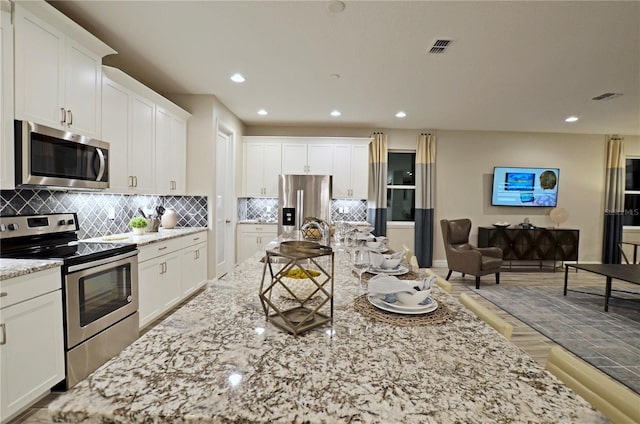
(138, 225)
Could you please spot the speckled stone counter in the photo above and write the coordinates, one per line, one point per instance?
(147, 238)
(10, 268)
(217, 360)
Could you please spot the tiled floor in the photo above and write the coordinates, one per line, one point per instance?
(524, 336)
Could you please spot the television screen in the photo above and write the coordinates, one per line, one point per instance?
(525, 186)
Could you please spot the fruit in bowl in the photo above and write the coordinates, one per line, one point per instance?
(299, 283)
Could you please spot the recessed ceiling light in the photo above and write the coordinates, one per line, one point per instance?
(335, 113)
(400, 114)
(237, 77)
(262, 112)
(571, 119)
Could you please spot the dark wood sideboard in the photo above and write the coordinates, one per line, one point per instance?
(550, 245)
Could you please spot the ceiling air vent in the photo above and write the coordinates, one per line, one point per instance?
(440, 45)
(607, 96)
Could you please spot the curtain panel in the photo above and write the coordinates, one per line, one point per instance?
(425, 199)
(614, 201)
(377, 199)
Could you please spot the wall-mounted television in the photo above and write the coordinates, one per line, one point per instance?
(515, 186)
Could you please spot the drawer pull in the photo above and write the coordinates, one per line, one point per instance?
(4, 334)
(162, 248)
(196, 238)
(3, 294)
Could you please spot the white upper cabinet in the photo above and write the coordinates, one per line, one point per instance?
(6, 98)
(351, 170)
(307, 158)
(147, 135)
(262, 165)
(171, 152)
(57, 70)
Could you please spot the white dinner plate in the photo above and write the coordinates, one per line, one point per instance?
(400, 270)
(433, 305)
(380, 304)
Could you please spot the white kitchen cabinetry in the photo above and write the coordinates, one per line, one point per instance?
(171, 152)
(252, 238)
(307, 158)
(159, 275)
(194, 263)
(6, 98)
(147, 135)
(262, 164)
(350, 171)
(57, 70)
(31, 339)
(168, 272)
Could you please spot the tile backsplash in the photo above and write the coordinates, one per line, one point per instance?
(93, 208)
(267, 209)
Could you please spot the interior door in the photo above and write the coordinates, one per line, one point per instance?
(224, 183)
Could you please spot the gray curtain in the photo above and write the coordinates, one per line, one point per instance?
(377, 199)
(425, 199)
(614, 201)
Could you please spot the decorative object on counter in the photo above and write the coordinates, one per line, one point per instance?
(501, 224)
(154, 223)
(169, 218)
(138, 224)
(159, 211)
(316, 230)
(296, 313)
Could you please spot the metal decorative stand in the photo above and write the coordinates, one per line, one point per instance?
(298, 313)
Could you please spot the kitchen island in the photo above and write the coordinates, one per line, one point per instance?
(218, 360)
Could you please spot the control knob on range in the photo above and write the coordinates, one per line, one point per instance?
(13, 227)
(62, 222)
(69, 221)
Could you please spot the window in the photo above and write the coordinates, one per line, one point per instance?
(401, 186)
(631, 215)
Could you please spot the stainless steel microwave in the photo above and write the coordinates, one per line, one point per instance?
(51, 158)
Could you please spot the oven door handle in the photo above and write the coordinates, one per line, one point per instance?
(80, 267)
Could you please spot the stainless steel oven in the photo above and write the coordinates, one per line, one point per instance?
(53, 158)
(101, 311)
(99, 286)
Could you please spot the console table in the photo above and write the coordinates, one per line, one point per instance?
(537, 244)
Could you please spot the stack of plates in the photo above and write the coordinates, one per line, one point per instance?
(399, 308)
(399, 270)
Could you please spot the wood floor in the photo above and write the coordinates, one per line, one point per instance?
(526, 338)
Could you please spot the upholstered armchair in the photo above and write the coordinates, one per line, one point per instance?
(465, 258)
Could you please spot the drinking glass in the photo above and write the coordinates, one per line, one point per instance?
(361, 262)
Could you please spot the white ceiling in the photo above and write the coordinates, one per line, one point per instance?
(514, 66)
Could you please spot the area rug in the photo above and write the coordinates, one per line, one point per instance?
(610, 341)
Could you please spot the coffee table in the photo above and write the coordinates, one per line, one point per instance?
(624, 272)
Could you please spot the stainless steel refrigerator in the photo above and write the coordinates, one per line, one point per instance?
(302, 196)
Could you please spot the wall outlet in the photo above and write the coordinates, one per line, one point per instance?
(111, 212)
(343, 210)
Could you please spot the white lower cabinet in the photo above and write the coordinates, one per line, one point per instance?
(252, 238)
(194, 268)
(31, 339)
(168, 272)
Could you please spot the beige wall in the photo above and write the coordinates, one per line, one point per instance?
(207, 114)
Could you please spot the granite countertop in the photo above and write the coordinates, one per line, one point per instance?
(10, 268)
(257, 221)
(217, 360)
(147, 238)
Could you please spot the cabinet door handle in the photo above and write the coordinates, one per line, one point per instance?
(70, 117)
(162, 248)
(4, 334)
(196, 238)
(3, 294)
(63, 116)
(130, 181)
(197, 254)
(135, 181)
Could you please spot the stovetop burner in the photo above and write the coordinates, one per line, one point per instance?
(52, 236)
